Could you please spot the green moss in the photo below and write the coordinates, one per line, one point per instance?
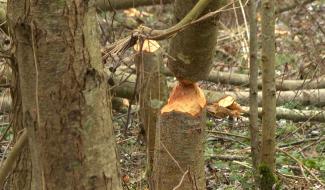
(267, 178)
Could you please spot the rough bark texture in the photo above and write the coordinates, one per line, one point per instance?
(267, 167)
(179, 148)
(253, 98)
(22, 172)
(192, 49)
(65, 101)
(152, 95)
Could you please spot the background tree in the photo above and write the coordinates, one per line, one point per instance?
(253, 83)
(267, 167)
(152, 90)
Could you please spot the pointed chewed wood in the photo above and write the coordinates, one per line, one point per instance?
(185, 98)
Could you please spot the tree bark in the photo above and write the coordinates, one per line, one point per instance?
(64, 95)
(152, 89)
(253, 92)
(267, 167)
(191, 50)
(179, 159)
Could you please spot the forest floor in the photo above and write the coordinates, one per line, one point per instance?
(300, 55)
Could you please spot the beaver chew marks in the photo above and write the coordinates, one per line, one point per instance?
(186, 98)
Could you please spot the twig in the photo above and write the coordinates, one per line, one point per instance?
(172, 157)
(302, 165)
(298, 142)
(228, 134)
(318, 141)
(227, 138)
(227, 157)
(5, 85)
(243, 164)
(181, 181)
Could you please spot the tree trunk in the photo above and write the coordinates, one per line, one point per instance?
(152, 91)
(253, 98)
(191, 50)
(64, 95)
(267, 167)
(179, 159)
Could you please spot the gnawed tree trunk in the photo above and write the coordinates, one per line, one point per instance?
(152, 92)
(267, 165)
(64, 95)
(179, 159)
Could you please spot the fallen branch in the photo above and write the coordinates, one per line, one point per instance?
(294, 114)
(243, 80)
(109, 5)
(228, 157)
(125, 90)
(309, 97)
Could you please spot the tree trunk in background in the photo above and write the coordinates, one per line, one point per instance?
(267, 167)
(152, 89)
(253, 99)
(64, 95)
